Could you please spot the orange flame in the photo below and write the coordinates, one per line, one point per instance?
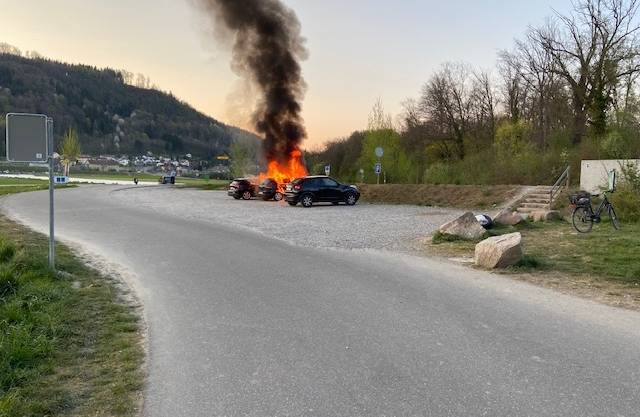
(284, 173)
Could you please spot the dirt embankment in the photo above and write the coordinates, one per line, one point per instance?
(458, 196)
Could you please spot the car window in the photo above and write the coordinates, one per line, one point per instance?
(311, 183)
(328, 182)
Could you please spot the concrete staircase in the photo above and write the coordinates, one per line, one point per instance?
(538, 199)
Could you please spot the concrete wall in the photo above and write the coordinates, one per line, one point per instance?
(594, 174)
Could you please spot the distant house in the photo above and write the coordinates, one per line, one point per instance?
(103, 165)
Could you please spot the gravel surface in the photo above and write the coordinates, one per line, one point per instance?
(364, 226)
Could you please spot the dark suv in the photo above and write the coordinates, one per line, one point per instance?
(242, 188)
(320, 189)
(270, 190)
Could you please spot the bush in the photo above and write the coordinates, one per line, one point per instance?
(626, 201)
(7, 252)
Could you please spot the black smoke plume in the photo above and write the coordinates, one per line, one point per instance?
(267, 49)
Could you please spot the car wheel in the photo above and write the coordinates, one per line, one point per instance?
(351, 199)
(278, 197)
(246, 195)
(306, 200)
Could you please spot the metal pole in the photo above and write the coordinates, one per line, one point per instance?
(52, 241)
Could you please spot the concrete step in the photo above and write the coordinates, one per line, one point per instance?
(525, 210)
(536, 206)
(536, 200)
(539, 195)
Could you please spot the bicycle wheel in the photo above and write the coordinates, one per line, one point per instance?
(582, 220)
(615, 222)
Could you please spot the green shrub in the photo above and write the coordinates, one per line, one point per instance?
(7, 252)
(626, 201)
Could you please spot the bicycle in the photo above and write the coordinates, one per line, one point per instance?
(584, 217)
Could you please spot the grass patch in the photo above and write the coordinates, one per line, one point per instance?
(200, 183)
(603, 255)
(530, 262)
(68, 344)
(439, 238)
(21, 185)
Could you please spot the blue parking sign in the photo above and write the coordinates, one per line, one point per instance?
(378, 168)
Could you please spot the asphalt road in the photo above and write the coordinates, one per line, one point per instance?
(241, 324)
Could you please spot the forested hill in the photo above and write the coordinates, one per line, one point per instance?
(111, 117)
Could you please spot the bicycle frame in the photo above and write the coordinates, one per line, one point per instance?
(604, 204)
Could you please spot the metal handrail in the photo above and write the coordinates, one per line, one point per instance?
(563, 181)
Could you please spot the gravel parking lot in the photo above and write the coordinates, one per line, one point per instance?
(364, 226)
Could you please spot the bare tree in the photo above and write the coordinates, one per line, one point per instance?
(378, 118)
(127, 76)
(6, 48)
(484, 105)
(592, 49)
(446, 102)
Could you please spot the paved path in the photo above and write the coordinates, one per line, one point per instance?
(242, 324)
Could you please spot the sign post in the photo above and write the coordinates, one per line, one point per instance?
(379, 154)
(378, 171)
(52, 240)
(30, 139)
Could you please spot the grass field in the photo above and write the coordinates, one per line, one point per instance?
(201, 183)
(69, 344)
(605, 260)
(19, 185)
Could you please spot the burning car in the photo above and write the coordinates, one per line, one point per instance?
(270, 190)
(242, 188)
(320, 189)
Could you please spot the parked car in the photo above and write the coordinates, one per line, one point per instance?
(242, 188)
(320, 189)
(168, 179)
(270, 190)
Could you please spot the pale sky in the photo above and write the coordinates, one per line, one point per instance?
(359, 50)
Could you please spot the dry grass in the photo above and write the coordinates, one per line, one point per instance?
(459, 196)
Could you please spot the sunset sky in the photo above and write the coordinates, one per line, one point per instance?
(359, 50)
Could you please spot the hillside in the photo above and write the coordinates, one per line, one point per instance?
(111, 117)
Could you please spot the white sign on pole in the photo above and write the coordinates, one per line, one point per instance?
(327, 170)
(379, 152)
(27, 137)
(61, 180)
(612, 180)
(378, 168)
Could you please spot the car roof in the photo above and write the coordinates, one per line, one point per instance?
(316, 176)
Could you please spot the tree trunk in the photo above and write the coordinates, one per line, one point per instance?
(579, 126)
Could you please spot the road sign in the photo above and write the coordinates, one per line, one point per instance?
(379, 152)
(327, 170)
(27, 137)
(61, 180)
(378, 168)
